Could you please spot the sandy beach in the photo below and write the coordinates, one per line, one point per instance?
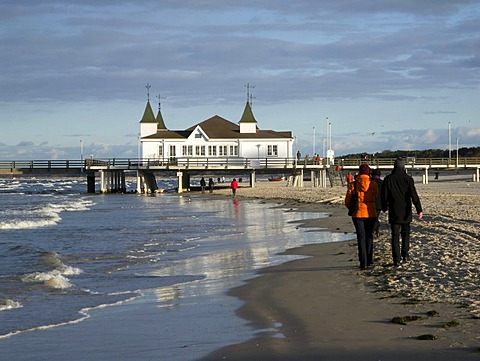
(324, 308)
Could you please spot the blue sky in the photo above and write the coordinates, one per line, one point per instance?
(387, 74)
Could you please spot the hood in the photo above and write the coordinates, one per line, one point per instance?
(363, 182)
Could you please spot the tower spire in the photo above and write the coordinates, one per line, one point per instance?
(249, 94)
(148, 86)
(160, 101)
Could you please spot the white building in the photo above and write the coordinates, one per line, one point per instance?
(214, 140)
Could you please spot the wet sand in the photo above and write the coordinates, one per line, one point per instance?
(324, 308)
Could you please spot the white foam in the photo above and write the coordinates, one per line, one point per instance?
(46, 216)
(53, 279)
(6, 304)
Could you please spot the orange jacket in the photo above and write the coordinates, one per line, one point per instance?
(367, 193)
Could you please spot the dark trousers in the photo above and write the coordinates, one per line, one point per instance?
(400, 230)
(364, 230)
(376, 229)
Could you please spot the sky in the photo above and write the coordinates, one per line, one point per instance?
(369, 75)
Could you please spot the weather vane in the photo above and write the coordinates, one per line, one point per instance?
(148, 86)
(250, 97)
(160, 101)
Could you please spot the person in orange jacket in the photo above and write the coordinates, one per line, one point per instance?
(234, 186)
(365, 216)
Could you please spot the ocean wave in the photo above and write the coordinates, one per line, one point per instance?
(43, 216)
(52, 279)
(55, 278)
(83, 315)
(6, 304)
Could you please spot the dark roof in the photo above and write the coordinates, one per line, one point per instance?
(159, 120)
(217, 127)
(148, 116)
(247, 116)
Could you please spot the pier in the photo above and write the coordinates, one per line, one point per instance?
(111, 172)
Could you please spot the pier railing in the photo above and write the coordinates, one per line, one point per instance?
(225, 163)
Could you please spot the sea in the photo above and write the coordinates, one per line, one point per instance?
(71, 262)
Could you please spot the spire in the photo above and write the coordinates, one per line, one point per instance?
(247, 123)
(148, 116)
(247, 116)
(159, 119)
(160, 122)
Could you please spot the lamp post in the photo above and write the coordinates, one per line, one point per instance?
(449, 142)
(81, 155)
(313, 148)
(138, 151)
(456, 166)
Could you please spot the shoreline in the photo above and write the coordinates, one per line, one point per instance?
(324, 308)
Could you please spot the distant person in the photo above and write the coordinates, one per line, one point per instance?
(349, 178)
(299, 156)
(376, 177)
(317, 159)
(364, 217)
(210, 184)
(203, 184)
(307, 158)
(234, 187)
(398, 194)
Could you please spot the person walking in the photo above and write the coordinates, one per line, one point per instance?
(364, 217)
(349, 178)
(376, 177)
(210, 184)
(234, 187)
(398, 194)
(203, 184)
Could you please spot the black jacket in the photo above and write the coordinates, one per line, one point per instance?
(398, 194)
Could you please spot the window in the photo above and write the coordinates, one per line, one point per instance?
(173, 152)
(187, 150)
(222, 150)
(198, 136)
(234, 150)
(200, 150)
(212, 150)
(272, 150)
(160, 151)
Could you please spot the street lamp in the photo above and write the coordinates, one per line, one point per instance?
(81, 155)
(313, 148)
(457, 154)
(449, 142)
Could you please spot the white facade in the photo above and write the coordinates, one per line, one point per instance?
(214, 139)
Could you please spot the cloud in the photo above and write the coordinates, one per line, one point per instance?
(375, 66)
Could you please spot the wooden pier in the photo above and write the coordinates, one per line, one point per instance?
(112, 171)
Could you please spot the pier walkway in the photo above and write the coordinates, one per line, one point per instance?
(112, 171)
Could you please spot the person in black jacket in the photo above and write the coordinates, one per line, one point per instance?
(398, 194)
(376, 174)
